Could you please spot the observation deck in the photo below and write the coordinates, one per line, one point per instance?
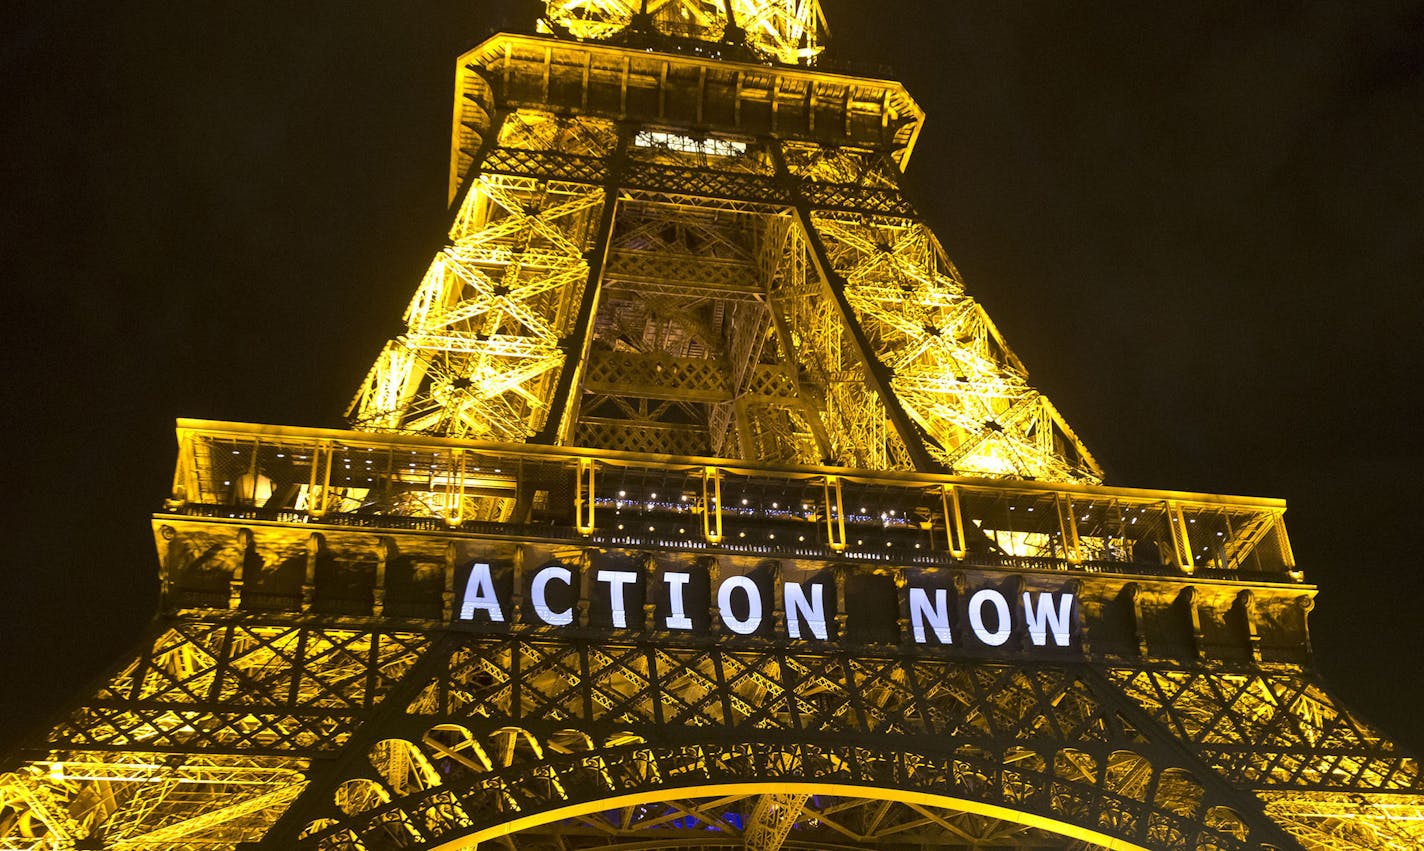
(319, 477)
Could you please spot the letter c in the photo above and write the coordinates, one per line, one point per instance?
(541, 604)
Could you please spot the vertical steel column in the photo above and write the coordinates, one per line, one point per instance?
(559, 424)
(876, 372)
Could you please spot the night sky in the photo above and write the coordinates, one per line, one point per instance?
(1200, 225)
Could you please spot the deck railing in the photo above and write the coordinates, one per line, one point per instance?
(606, 498)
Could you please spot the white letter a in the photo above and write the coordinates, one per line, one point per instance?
(479, 594)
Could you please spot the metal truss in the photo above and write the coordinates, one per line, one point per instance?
(771, 819)
(704, 320)
(1331, 780)
(484, 341)
(509, 728)
(204, 738)
(197, 743)
(790, 31)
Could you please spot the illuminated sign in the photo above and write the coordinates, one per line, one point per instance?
(747, 605)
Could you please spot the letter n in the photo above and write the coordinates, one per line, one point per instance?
(936, 615)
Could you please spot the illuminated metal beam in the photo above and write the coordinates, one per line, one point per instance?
(771, 820)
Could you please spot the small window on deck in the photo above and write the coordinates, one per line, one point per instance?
(688, 144)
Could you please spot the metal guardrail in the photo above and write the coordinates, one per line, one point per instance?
(605, 498)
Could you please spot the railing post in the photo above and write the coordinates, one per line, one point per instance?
(953, 521)
(320, 482)
(1181, 541)
(185, 473)
(712, 505)
(584, 496)
(250, 480)
(1283, 542)
(835, 514)
(455, 489)
(1068, 528)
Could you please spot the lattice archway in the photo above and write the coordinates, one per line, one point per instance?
(765, 794)
(763, 816)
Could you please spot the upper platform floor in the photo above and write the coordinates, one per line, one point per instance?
(709, 505)
(703, 93)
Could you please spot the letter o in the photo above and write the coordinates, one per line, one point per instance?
(724, 604)
(976, 617)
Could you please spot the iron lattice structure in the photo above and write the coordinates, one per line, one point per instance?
(689, 334)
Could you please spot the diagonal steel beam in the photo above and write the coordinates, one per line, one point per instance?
(771, 820)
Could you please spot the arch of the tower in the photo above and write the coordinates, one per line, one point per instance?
(460, 786)
(684, 745)
(764, 816)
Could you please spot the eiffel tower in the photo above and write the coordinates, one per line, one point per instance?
(700, 506)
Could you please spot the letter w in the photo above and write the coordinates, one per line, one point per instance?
(1044, 618)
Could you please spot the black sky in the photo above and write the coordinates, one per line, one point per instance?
(1200, 225)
